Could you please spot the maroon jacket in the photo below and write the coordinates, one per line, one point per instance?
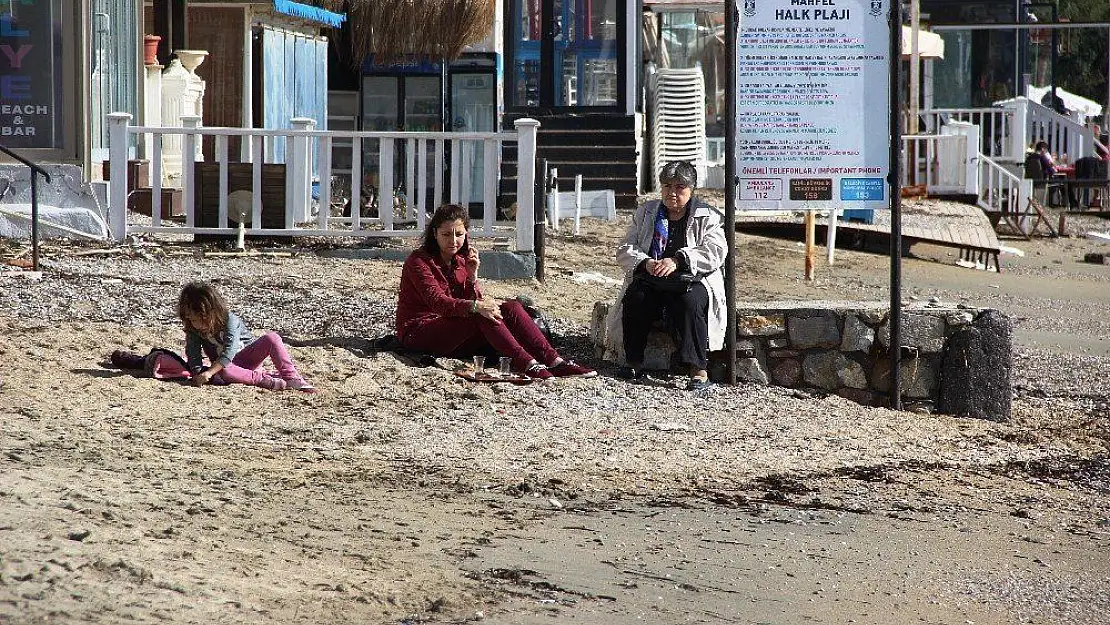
(431, 289)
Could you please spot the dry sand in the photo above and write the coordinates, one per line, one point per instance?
(405, 495)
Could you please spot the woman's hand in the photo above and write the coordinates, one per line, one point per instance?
(472, 263)
(661, 268)
(489, 308)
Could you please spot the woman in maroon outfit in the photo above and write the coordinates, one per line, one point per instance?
(441, 310)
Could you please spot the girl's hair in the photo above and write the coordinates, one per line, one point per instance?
(201, 298)
(1040, 144)
(444, 214)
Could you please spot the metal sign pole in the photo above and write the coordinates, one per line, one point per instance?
(732, 25)
(895, 183)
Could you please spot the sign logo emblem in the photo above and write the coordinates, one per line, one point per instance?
(876, 7)
(749, 8)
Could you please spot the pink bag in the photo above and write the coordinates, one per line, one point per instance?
(162, 364)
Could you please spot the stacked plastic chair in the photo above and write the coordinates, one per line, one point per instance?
(677, 119)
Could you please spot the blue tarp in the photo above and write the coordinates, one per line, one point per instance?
(309, 12)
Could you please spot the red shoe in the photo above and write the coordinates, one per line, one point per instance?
(538, 372)
(571, 369)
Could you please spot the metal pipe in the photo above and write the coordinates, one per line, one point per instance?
(732, 25)
(541, 215)
(895, 182)
(34, 221)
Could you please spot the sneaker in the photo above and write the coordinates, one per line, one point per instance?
(698, 383)
(300, 384)
(571, 369)
(273, 383)
(630, 373)
(538, 372)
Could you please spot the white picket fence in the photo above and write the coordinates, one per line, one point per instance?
(940, 162)
(1014, 126)
(421, 184)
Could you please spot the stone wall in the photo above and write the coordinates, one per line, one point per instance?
(955, 359)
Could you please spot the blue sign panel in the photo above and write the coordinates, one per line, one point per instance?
(861, 189)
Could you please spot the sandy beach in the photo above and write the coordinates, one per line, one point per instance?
(404, 494)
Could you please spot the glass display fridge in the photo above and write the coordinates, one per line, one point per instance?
(404, 97)
(473, 108)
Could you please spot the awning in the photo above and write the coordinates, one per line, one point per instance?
(929, 45)
(309, 12)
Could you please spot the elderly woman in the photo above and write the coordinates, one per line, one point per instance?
(672, 255)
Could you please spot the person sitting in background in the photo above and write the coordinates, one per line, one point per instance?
(441, 310)
(1048, 164)
(679, 234)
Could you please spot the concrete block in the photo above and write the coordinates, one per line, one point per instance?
(975, 370)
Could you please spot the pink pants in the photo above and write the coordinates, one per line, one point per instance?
(517, 336)
(245, 366)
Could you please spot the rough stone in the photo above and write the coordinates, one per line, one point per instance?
(919, 378)
(819, 369)
(872, 317)
(787, 373)
(976, 367)
(746, 348)
(760, 325)
(858, 336)
(958, 319)
(925, 332)
(784, 353)
(598, 328)
(749, 370)
(820, 330)
(780, 343)
(850, 372)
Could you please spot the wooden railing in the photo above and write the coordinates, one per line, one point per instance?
(434, 167)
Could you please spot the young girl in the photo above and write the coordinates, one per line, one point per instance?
(441, 309)
(234, 353)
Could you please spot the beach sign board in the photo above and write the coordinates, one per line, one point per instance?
(812, 104)
(30, 74)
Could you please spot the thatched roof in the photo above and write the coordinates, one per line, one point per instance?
(393, 29)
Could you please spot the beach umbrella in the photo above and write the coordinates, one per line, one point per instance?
(392, 30)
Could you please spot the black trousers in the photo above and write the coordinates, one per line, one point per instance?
(687, 314)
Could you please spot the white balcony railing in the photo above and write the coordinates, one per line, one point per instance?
(407, 173)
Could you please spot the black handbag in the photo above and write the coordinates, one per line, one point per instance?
(677, 282)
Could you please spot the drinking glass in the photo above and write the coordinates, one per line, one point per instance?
(479, 364)
(505, 367)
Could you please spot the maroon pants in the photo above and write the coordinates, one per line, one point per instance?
(517, 336)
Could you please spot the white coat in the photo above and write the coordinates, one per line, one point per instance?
(705, 255)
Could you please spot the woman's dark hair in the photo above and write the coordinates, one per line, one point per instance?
(202, 299)
(679, 171)
(1040, 144)
(443, 214)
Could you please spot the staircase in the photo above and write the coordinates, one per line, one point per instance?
(600, 147)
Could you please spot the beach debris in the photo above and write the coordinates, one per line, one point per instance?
(1006, 249)
(970, 264)
(1096, 258)
(592, 277)
(669, 426)
(79, 535)
(555, 503)
(1098, 236)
